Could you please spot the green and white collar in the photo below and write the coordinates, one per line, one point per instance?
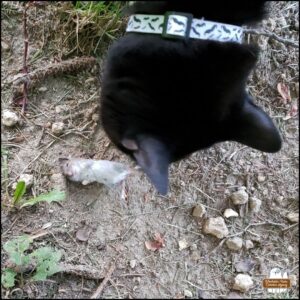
(182, 25)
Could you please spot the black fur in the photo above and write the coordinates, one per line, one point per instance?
(174, 97)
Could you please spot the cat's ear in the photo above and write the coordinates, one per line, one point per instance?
(254, 128)
(153, 157)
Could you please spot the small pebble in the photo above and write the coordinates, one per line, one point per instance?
(9, 118)
(95, 117)
(249, 244)
(27, 178)
(290, 249)
(242, 282)
(216, 226)
(193, 247)
(261, 178)
(58, 128)
(188, 294)
(198, 211)
(132, 263)
(293, 217)
(255, 204)
(43, 89)
(228, 213)
(182, 244)
(239, 197)
(4, 46)
(235, 243)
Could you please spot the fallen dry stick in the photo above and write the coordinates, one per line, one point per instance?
(35, 77)
(99, 290)
(83, 271)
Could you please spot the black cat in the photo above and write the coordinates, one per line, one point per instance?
(163, 99)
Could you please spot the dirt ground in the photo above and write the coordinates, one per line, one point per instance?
(119, 226)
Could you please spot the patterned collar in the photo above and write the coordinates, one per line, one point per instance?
(182, 25)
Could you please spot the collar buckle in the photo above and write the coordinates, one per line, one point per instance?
(177, 25)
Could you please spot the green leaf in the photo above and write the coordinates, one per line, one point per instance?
(52, 196)
(8, 278)
(47, 262)
(16, 248)
(19, 192)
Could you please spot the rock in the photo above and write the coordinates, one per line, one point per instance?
(9, 118)
(228, 213)
(61, 108)
(27, 178)
(290, 249)
(95, 117)
(242, 282)
(4, 46)
(43, 89)
(216, 226)
(58, 181)
(193, 247)
(235, 243)
(261, 178)
(188, 294)
(249, 244)
(255, 204)
(293, 217)
(132, 263)
(239, 197)
(195, 256)
(198, 211)
(182, 244)
(57, 128)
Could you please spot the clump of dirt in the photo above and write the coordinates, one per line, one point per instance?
(115, 225)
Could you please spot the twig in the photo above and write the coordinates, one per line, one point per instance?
(35, 77)
(273, 36)
(181, 228)
(198, 189)
(99, 290)
(289, 227)
(82, 271)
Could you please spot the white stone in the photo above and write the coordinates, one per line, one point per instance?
(27, 178)
(58, 128)
(182, 244)
(255, 204)
(228, 213)
(132, 263)
(199, 211)
(242, 282)
(216, 226)
(261, 178)
(249, 244)
(193, 247)
(188, 294)
(43, 89)
(293, 217)
(9, 118)
(235, 243)
(239, 197)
